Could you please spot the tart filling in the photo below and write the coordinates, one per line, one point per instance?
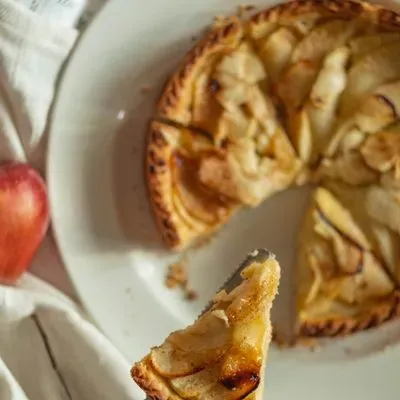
(223, 354)
(341, 273)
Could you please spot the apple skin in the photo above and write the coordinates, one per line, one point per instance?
(24, 218)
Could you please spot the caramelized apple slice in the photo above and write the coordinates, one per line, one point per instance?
(349, 257)
(206, 341)
(376, 111)
(339, 217)
(205, 385)
(302, 135)
(376, 282)
(276, 51)
(384, 207)
(295, 84)
(314, 122)
(322, 104)
(200, 204)
(234, 125)
(362, 45)
(350, 168)
(307, 57)
(242, 175)
(376, 68)
(382, 151)
(205, 108)
(323, 39)
(196, 386)
(243, 64)
(389, 247)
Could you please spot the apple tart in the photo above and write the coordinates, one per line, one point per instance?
(223, 354)
(304, 92)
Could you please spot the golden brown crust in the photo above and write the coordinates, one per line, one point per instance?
(178, 227)
(154, 386)
(159, 182)
(343, 9)
(176, 96)
(375, 316)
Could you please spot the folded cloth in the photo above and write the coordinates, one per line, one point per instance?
(32, 51)
(49, 350)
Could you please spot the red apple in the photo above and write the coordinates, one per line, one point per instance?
(24, 218)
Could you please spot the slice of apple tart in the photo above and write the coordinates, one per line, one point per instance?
(223, 354)
(344, 281)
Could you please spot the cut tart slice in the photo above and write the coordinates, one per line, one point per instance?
(223, 354)
(344, 284)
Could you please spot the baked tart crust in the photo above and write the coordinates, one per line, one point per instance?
(223, 354)
(304, 91)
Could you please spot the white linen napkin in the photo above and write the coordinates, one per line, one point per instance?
(48, 348)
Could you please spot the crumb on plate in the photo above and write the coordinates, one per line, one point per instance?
(177, 277)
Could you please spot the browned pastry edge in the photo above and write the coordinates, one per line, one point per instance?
(345, 8)
(159, 181)
(174, 229)
(155, 388)
(380, 313)
(178, 88)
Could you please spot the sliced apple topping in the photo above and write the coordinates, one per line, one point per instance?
(196, 385)
(295, 84)
(276, 51)
(339, 217)
(376, 282)
(376, 68)
(302, 135)
(245, 175)
(242, 64)
(256, 157)
(349, 167)
(200, 206)
(376, 111)
(389, 247)
(206, 341)
(382, 152)
(362, 45)
(349, 256)
(326, 90)
(205, 108)
(384, 206)
(343, 270)
(324, 38)
(321, 106)
(307, 57)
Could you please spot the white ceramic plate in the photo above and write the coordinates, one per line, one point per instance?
(107, 235)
